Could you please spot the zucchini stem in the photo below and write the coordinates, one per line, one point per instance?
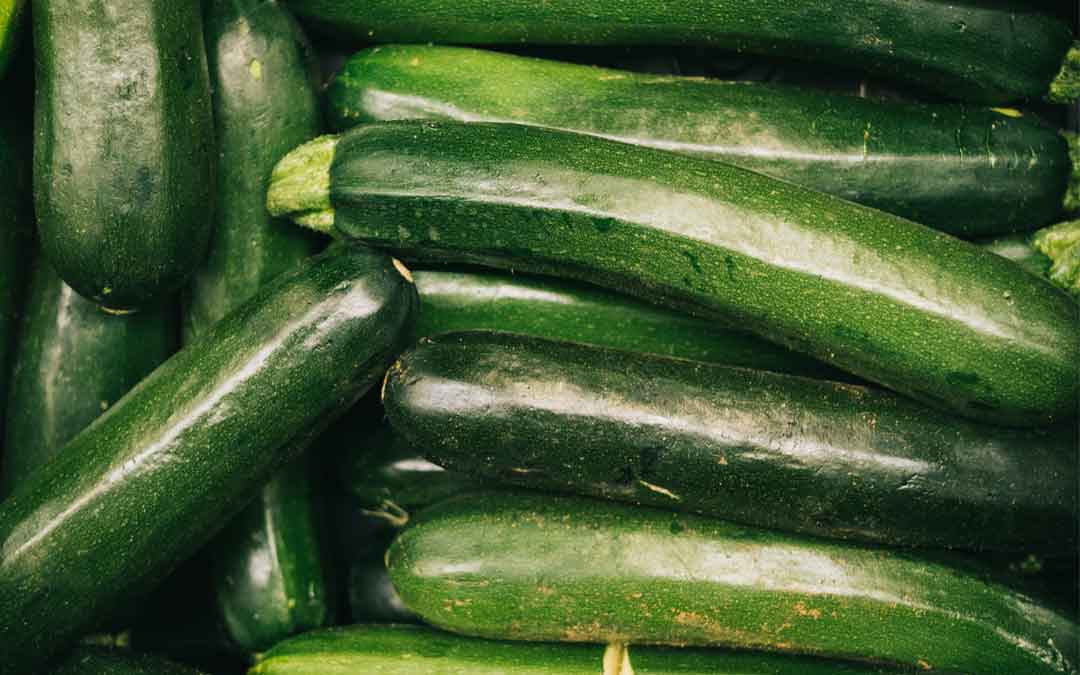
(1066, 86)
(1061, 243)
(300, 185)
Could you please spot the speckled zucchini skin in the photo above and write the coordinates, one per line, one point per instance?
(124, 145)
(986, 52)
(891, 301)
(271, 577)
(104, 661)
(414, 650)
(72, 362)
(542, 567)
(155, 477)
(473, 299)
(965, 170)
(760, 448)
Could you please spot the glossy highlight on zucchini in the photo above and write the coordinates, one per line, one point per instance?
(535, 567)
(123, 146)
(390, 649)
(152, 480)
(72, 362)
(965, 170)
(881, 297)
(271, 573)
(985, 52)
(788, 453)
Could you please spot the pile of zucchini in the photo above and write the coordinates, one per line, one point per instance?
(425, 344)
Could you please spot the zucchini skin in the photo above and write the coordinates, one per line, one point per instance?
(105, 661)
(153, 479)
(760, 448)
(881, 297)
(72, 362)
(542, 567)
(454, 300)
(981, 52)
(270, 575)
(968, 171)
(390, 649)
(124, 218)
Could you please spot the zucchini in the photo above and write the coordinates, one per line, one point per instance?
(542, 567)
(986, 52)
(452, 300)
(72, 362)
(105, 661)
(271, 576)
(761, 448)
(152, 479)
(415, 650)
(968, 171)
(123, 145)
(878, 296)
(11, 25)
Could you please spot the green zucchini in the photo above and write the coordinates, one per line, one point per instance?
(452, 300)
(72, 362)
(271, 575)
(968, 171)
(543, 567)
(105, 661)
(11, 20)
(415, 650)
(123, 145)
(878, 296)
(986, 52)
(152, 479)
(761, 448)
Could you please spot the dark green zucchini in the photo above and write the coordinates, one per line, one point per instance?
(453, 300)
(271, 574)
(123, 145)
(414, 650)
(105, 661)
(987, 52)
(873, 294)
(17, 248)
(968, 171)
(72, 362)
(543, 567)
(11, 20)
(151, 480)
(761, 448)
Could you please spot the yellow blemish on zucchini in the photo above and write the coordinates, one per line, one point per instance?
(404, 271)
(255, 68)
(661, 490)
(1008, 112)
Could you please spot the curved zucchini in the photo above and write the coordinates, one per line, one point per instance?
(987, 52)
(153, 478)
(123, 145)
(415, 650)
(105, 661)
(452, 300)
(878, 296)
(543, 567)
(967, 171)
(72, 362)
(765, 449)
(271, 575)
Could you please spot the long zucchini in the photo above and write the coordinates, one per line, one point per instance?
(878, 296)
(413, 650)
(968, 171)
(152, 479)
(72, 362)
(271, 575)
(760, 448)
(543, 567)
(123, 145)
(987, 52)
